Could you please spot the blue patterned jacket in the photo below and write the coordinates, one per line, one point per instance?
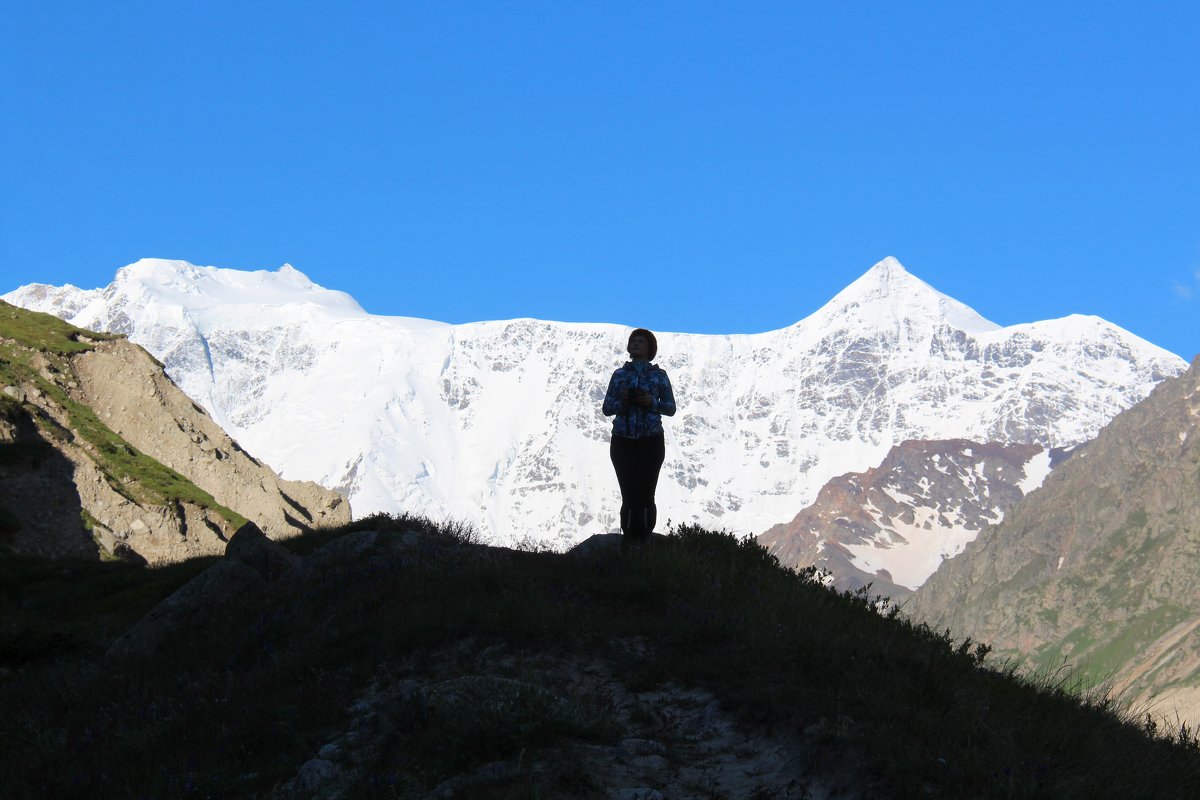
(633, 421)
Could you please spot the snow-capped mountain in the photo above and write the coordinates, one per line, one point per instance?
(893, 525)
(499, 423)
(1098, 568)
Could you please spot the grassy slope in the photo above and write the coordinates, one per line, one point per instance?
(26, 336)
(233, 709)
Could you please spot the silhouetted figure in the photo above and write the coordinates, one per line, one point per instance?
(639, 393)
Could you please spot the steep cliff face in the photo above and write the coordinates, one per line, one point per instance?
(133, 396)
(40, 504)
(1100, 567)
(101, 454)
(893, 525)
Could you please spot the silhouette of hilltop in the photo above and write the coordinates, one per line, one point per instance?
(398, 658)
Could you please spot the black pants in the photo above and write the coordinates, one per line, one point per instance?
(637, 462)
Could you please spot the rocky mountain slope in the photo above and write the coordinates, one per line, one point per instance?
(499, 423)
(101, 454)
(1099, 568)
(893, 525)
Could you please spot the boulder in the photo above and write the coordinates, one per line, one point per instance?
(224, 584)
(606, 544)
(368, 550)
(251, 547)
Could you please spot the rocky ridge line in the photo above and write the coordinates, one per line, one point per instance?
(1099, 569)
(919, 507)
(391, 404)
(94, 433)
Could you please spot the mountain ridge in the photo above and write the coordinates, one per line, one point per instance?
(102, 456)
(893, 525)
(1097, 568)
(765, 419)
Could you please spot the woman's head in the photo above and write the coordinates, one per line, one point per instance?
(642, 344)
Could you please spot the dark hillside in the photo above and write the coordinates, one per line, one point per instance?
(396, 658)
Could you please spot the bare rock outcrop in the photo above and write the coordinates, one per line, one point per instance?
(101, 455)
(63, 505)
(39, 499)
(893, 526)
(606, 545)
(132, 394)
(251, 562)
(251, 547)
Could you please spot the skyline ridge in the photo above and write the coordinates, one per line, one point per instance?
(886, 276)
(391, 405)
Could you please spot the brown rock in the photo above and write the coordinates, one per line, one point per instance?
(141, 403)
(956, 486)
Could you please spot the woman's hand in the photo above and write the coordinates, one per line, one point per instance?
(636, 397)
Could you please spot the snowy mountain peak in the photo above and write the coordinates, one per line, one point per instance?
(180, 283)
(886, 279)
(295, 277)
(887, 294)
(889, 269)
(499, 423)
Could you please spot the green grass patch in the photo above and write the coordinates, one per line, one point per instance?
(474, 720)
(135, 475)
(46, 332)
(1137, 633)
(1121, 540)
(1027, 573)
(1136, 520)
(1149, 546)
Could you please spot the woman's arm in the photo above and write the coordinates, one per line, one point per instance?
(612, 399)
(664, 403)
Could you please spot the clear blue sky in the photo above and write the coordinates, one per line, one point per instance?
(691, 166)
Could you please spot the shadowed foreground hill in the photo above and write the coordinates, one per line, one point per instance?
(396, 658)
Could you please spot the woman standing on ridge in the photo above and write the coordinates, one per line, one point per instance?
(639, 393)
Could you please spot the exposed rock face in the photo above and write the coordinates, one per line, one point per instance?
(38, 493)
(608, 545)
(101, 454)
(252, 561)
(132, 395)
(893, 526)
(252, 548)
(1100, 567)
(64, 505)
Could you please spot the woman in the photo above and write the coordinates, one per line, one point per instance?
(639, 393)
